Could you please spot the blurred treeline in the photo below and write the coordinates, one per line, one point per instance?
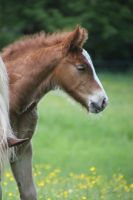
(109, 22)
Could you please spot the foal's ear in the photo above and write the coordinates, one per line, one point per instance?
(75, 39)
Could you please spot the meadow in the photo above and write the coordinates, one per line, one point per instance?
(80, 156)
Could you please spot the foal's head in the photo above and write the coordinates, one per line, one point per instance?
(76, 75)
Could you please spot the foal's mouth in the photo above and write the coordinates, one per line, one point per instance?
(95, 110)
(97, 107)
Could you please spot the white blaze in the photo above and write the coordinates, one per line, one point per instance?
(97, 95)
(88, 58)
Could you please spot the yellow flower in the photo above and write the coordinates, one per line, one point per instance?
(4, 183)
(65, 194)
(83, 198)
(131, 185)
(127, 188)
(8, 174)
(47, 180)
(10, 194)
(93, 182)
(11, 179)
(121, 177)
(82, 186)
(82, 176)
(41, 184)
(58, 170)
(71, 174)
(93, 169)
(52, 174)
(35, 174)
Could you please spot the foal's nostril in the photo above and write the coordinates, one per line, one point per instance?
(99, 107)
(95, 106)
(104, 103)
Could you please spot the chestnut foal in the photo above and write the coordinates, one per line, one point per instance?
(36, 65)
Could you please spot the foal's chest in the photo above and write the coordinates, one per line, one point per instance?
(24, 124)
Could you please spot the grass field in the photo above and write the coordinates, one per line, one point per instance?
(75, 149)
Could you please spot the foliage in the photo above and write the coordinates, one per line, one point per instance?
(109, 24)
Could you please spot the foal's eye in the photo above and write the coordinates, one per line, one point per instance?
(81, 67)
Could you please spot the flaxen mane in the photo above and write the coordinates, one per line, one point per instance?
(5, 129)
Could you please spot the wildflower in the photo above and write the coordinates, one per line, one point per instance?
(127, 188)
(71, 174)
(8, 174)
(57, 170)
(10, 194)
(47, 180)
(41, 184)
(52, 174)
(84, 198)
(93, 182)
(4, 183)
(121, 177)
(82, 176)
(82, 186)
(11, 179)
(35, 174)
(65, 194)
(131, 185)
(93, 169)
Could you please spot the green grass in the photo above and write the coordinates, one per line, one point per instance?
(69, 138)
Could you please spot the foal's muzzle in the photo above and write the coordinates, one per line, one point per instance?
(96, 107)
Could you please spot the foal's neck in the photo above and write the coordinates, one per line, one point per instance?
(36, 77)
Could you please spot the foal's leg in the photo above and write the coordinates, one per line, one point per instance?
(22, 170)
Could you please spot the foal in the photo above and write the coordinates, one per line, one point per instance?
(36, 65)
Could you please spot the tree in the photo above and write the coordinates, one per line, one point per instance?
(109, 24)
